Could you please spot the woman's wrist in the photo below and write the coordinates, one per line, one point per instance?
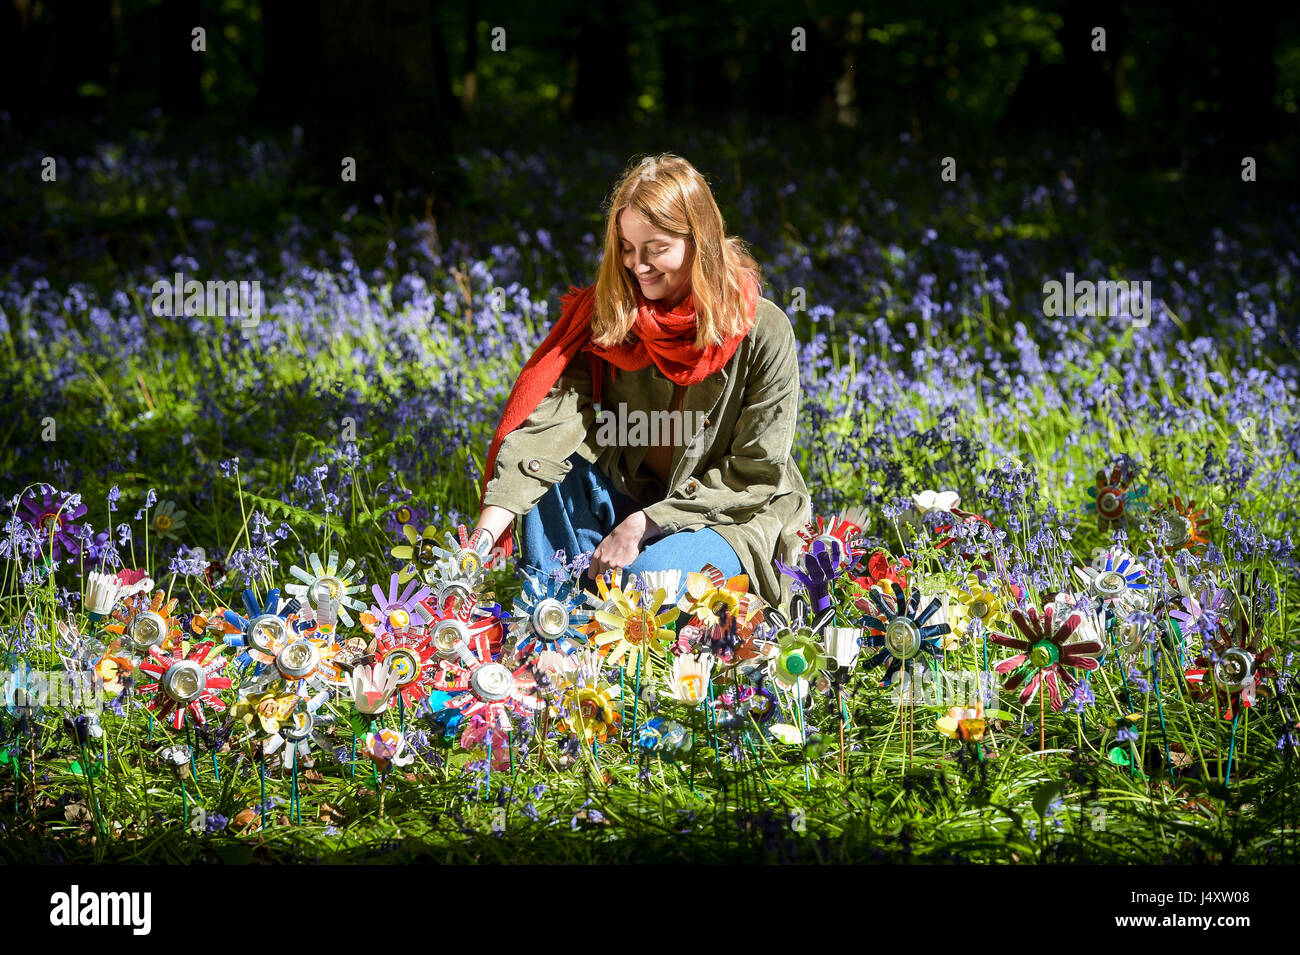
(494, 520)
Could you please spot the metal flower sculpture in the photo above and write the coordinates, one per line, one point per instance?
(1186, 525)
(52, 514)
(637, 624)
(975, 607)
(845, 530)
(547, 617)
(412, 658)
(816, 568)
(1113, 498)
(419, 553)
(1234, 663)
(184, 682)
(711, 597)
(327, 581)
(263, 633)
(392, 612)
(1045, 653)
(488, 689)
(144, 623)
(1118, 580)
(901, 629)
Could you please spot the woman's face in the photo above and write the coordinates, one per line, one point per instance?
(660, 262)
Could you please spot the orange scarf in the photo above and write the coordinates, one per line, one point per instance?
(663, 336)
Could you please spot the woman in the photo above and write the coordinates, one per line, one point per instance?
(653, 426)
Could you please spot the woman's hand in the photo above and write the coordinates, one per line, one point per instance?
(623, 544)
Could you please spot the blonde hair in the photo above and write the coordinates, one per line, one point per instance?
(674, 198)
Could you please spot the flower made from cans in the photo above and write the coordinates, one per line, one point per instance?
(372, 686)
(690, 678)
(590, 713)
(547, 616)
(392, 612)
(52, 514)
(463, 557)
(143, 623)
(1113, 498)
(412, 659)
(1186, 525)
(184, 682)
(325, 583)
(798, 656)
(901, 629)
(166, 520)
(711, 598)
(293, 740)
(487, 688)
(1046, 651)
(266, 710)
(1233, 666)
(845, 530)
(636, 624)
(975, 606)
(420, 553)
(262, 633)
(815, 568)
(965, 723)
(1194, 621)
(386, 748)
(1118, 581)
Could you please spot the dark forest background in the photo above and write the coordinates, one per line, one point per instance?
(401, 83)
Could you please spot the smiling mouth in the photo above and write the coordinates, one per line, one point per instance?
(651, 280)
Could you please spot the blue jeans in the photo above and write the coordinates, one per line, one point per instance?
(575, 515)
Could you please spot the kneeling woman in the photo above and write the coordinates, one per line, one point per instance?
(675, 333)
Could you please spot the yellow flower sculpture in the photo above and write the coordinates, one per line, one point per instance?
(592, 714)
(634, 623)
(709, 596)
(969, 602)
(963, 722)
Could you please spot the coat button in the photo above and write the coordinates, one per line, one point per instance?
(690, 487)
(707, 422)
(534, 465)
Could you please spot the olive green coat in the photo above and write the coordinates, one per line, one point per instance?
(734, 474)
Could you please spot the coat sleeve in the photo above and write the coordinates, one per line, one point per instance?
(535, 455)
(747, 476)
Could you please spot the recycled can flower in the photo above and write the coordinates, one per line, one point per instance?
(145, 623)
(131, 582)
(412, 658)
(590, 713)
(166, 520)
(100, 595)
(184, 682)
(975, 607)
(965, 723)
(372, 686)
(464, 557)
(843, 644)
(547, 615)
(1186, 525)
(1046, 651)
(690, 676)
(386, 748)
(845, 530)
(420, 552)
(265, 711)
(53, 515)
(815, 568)
(1192, 616)
(1113, 498)
(296, 734)
(710, 596)
(327, 579)
(1233, 664)
(487, 688)
(668, 738)
(638, 623)
(392, 612)
(901, 629)
(798, 657)
(881, 572)
(745, 702)
(480, 735)
(1118, 580)
(263, 633)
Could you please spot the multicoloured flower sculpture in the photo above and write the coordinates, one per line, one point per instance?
(590, 713)
(845, 530)
(143, 624)
(327, 581)
(263, 633)
(1046, 652)
(184, 682)
(392, 612)
(1118, 580)
(1186, 525)
(637, 624)
(412, 658)
(976, 606)
(901, 629)
(1233, 664)
(547, 617)
(1113, 498)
